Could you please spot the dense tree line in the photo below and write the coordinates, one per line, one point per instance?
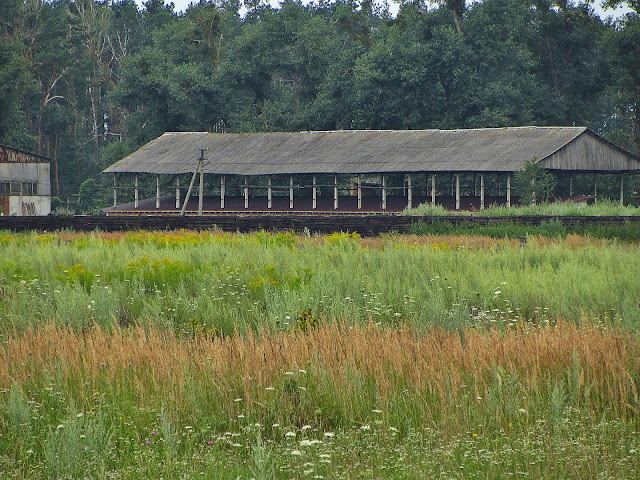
(87, 81)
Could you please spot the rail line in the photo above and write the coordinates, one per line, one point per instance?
(365, 224)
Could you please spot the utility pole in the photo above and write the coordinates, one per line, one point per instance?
(199, 166)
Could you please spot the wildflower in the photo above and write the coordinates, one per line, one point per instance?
(153, 432)
(210, 442)
(290, 434)
(296, 453)
(365, 428)
(102, 364)
(148, 442)
(329, 434)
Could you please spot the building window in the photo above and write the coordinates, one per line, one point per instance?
(29, 188)
(16, 188)
(5, 188)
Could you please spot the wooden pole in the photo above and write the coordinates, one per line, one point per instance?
(177, 191)
(622, 190)
(269, 193)
(201, 192)
(193, 179)
(482, 191)
(115, 190)
(246, 192)
(157, 191)
(335, 192)
(595, 188)
(290, 191)
(571, 185)
(315, 193)
(136, 193)
(508, 190)
(457, 191)
(384, 193)
(359, 192)
(433, 189)
(409, 192)
(223, 186)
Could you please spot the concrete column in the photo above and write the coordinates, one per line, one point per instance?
(622, 190)
(384, 193)
(223, 186)
(457, 191)
(409, 192)
(201, 193)
(269, 192)
(433, 189)
(177, 191)
(291, 191)
(246, 192)
(335, 192)
(359, 192)
(482, 191)
(136, 192)
(314, 203)
(115, 190)
(508, 190)
(157, 191)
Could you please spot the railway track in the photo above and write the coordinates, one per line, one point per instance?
(365, 224)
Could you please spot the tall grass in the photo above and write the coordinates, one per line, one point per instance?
(144, 400)
(222, 283)
(554, 209)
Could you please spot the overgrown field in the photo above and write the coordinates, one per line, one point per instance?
(166, 355)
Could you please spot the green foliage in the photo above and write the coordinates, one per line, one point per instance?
(533, 183)
(87, 201)
(88, 82)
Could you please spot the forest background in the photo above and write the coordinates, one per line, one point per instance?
(86, 82)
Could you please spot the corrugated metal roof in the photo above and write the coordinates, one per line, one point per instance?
(350, 152)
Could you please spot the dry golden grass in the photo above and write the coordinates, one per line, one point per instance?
(606, 364)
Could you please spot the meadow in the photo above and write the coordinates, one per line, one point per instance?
(274, 355)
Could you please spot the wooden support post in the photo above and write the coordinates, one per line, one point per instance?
(177, 191)
(246, 191)
(384, 193)
(453, 182)
(482, 191)
(508, 190)
(433, 189)
(157, 191)
(622, 189)
(223, 187)
(359, 192)
(193, 179)
(115, 190)
(136, 193)
(571, 185)
(457, 191)
(475, 182)
(269, 193)
(499, 186)
(201, 193)
(291, 191)
(314, 194)
(409, 192)
(335, 192)
(595, 188)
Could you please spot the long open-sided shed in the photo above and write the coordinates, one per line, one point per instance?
(346, 161)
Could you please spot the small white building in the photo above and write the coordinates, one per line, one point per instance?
(25, 183)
